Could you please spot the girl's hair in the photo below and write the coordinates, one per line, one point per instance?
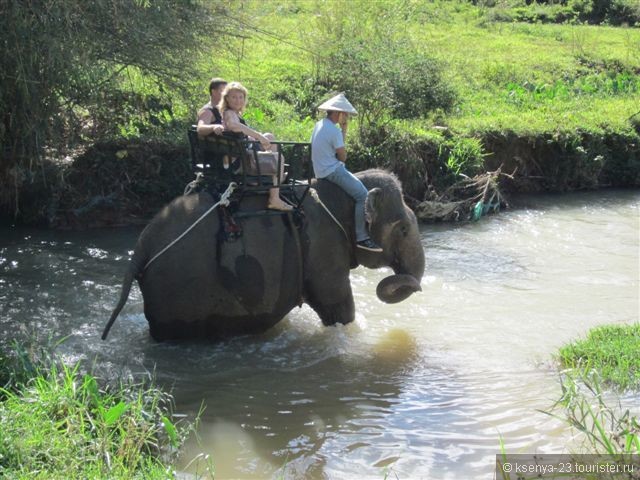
(223, 105)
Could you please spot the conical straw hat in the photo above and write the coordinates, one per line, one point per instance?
(339, 103)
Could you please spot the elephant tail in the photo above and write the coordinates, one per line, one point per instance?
(132, 272)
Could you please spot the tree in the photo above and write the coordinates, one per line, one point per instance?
(59, 58)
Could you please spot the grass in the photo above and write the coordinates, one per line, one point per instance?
(530, 78)
(608, 356)
(606, 429)
(58, 423)
(611, 350)
(561, 102)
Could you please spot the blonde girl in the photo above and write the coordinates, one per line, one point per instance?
(232, 104)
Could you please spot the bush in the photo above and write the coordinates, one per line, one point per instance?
(371, 57)
(387, 79)
(624, 11)
(420, 88)
(463, 156)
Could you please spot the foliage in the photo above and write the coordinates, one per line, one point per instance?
(59, 423)
(113, 180)
(613, 12)
(463, 156)
(371, 58)
(612, 350)
(67, 66)
(610, 355)
(570, 91)
(605, 429)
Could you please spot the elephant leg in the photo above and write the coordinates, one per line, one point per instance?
(332, 301)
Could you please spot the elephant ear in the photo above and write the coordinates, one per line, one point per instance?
(372, 205)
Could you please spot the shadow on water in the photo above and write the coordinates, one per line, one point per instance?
(277, 399)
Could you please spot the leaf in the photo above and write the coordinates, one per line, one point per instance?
(172, 432)
(90, 386)
(112, 415)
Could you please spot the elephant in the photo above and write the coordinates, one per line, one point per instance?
(205, 287)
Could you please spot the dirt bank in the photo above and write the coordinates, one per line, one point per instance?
(113, 184)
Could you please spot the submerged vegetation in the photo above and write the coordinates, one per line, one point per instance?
(58, 422)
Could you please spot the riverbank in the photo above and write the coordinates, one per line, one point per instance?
(444, 90)
(127, 182)
(594, 370)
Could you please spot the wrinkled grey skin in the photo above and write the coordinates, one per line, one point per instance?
(200, 288)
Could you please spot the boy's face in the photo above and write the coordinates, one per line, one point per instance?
(216, 93)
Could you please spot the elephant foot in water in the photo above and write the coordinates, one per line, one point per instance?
(214, 328)
(331, 313)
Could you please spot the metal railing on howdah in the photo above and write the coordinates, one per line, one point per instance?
(226, 158)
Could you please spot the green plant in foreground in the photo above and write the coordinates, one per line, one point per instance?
(61, 424)
(612, 350)
(606, 430)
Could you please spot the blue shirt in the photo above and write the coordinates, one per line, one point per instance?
(325, 140)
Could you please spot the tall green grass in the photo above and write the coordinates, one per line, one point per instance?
(606, 428)
(608, 357)
(59, 423)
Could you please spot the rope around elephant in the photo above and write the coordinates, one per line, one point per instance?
(224, 201)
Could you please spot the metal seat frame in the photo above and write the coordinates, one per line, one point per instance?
(207, 159)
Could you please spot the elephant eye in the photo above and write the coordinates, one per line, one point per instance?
(404, 230)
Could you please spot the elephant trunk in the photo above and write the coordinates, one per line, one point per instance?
(408, 267)
(396, 288)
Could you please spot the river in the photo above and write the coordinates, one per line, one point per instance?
(424, 389)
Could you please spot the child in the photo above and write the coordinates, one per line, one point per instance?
(234, 99)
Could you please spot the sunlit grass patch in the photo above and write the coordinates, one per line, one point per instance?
(611, 350)
(522, 77)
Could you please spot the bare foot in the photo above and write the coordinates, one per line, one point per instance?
(279, 205)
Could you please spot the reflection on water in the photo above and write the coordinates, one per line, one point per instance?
(422, 389)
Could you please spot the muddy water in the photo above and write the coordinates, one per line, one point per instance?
(422, 389)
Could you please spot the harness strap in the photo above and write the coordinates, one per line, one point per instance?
(296, 237)
(354, 258)
(224, 200)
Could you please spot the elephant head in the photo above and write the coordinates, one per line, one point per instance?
(395, 228)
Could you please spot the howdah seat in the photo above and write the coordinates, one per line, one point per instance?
(222, 159)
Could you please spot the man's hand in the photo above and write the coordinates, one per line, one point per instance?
(218, 129)
(343, 120)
